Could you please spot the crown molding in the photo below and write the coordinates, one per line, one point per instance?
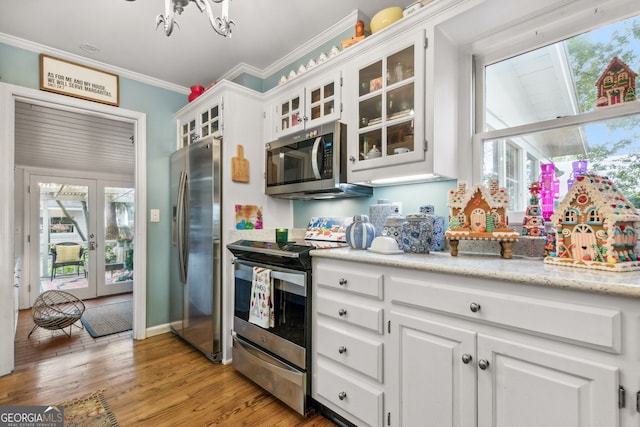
(39, 48)
(346, 23)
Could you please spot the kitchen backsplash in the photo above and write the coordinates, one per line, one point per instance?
(410, 196)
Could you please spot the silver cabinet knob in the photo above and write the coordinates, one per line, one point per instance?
(483, 364)
(342, 312)
(466, 358)
(352, 159)
(342, 395)
(342, 349)
(342, 281)
(474, 307)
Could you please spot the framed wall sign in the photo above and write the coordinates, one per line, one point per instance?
(67, 78)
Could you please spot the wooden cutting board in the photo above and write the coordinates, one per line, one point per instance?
(240, 166)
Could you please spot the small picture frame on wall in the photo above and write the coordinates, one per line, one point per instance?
(67, 78)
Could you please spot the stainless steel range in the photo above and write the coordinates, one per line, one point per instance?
(276, 357)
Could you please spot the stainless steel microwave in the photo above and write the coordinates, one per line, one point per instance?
(311, 164)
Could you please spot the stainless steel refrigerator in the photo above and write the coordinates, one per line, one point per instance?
(196, 282)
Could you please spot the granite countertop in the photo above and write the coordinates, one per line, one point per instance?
(518, 269)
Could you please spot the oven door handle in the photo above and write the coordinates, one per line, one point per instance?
(269, 363)
(247, 274)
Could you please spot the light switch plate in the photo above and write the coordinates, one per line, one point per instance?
(155, 215)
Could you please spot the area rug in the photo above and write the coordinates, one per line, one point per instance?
(108, 319)
(89, 411)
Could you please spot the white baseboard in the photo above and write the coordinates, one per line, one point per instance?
(157, 330)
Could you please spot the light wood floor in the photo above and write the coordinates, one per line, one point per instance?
(159, 381)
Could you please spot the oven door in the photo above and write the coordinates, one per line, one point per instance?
(289, 337)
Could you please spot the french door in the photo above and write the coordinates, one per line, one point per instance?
(81, 236)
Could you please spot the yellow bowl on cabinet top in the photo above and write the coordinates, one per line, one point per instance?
(385, 18)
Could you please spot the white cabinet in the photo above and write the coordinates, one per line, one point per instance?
(514, 380)
(464, 364)
(347, 335)
(530, 387)
(201, 118)
(389, 89)
(403, 120)
(303, 103)
(432, 381)
(441, 350)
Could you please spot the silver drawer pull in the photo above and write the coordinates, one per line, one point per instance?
(342, 312)
(474, 307)
(342, 281)
(466, 358)
(342, 395)
(342, 349)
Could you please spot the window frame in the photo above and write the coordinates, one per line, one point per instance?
(526, 36)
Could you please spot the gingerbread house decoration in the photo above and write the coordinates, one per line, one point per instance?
(480, 214)
(617, 84)
(597, 227)
(533, 221)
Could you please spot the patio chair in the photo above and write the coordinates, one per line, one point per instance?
(54, 310)
(67, 253)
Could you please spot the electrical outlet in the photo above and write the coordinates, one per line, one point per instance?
(155, 215)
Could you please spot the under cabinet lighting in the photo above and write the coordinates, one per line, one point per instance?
(405, 179)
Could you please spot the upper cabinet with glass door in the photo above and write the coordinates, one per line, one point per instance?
(309, 102)
(403, 125)
(390, 99)
(201, 118)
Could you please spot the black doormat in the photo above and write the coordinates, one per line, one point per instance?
(108, 319)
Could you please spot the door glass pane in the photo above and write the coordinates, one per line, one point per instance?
(119, 234)
(63, 236)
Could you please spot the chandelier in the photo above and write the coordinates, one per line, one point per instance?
(221, 24)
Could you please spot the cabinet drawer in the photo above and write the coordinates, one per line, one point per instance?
(359, 353)
(593, 326)
(350, 395)
(354, 313)
(344, 277)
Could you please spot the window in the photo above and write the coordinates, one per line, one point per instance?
(569, 106)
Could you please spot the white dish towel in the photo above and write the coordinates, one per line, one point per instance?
(261, 312)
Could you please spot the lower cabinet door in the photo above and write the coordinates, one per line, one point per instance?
(436, 382)
(530, 387)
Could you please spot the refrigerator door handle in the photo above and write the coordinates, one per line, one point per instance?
(181, 221)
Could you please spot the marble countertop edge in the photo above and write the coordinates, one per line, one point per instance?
(529, 271)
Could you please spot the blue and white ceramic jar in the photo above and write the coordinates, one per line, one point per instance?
(379, 212)
(360, 233)
(436, 241)
(417, 232)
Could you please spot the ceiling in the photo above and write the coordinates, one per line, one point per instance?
(124, 32)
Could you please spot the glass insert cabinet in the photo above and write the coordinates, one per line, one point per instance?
(312, 103)
(388, 101)
(200, 123)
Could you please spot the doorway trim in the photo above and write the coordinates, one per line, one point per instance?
(9, 94)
